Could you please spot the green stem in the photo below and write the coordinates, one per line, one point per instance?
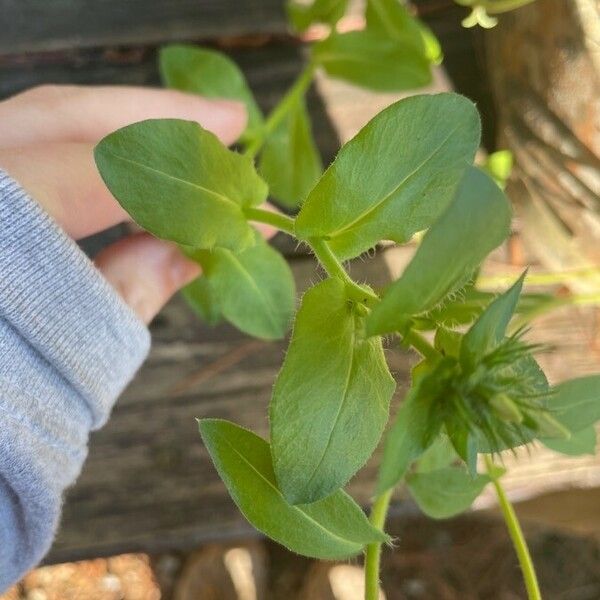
(421, 345)
(516, 535)
(373, 552)
(279, 113)
(334, 268)
(260, 215)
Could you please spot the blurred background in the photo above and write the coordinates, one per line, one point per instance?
(149, 517)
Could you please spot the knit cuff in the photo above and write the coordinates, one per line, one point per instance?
(52, 294)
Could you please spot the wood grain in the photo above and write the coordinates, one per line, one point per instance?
(42, 25)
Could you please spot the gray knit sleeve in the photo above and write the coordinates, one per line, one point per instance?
(68, 347)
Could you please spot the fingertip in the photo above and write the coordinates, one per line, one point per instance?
(227, 119)
(146, 272)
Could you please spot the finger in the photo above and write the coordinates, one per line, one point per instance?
(146, 272)
(64, 180)
(53, 113)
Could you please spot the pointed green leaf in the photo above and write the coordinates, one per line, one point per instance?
(576, 403)
(255, 288)
(408, 438)
(392, 19)
(332, 528)
(581, 442)
(395, 177)
(462, 309)
(446, 492)
(490, 328)
(290, 162)
(368, 59)
(179, 182)
(302, 16)
(447, 341)
(201, 297)
(209, 73)
(466, 446)
(473, 225)
(331, 399)
(470, 302)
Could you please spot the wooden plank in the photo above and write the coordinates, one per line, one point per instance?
(40, 25)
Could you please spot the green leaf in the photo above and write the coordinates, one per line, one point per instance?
(209, 73)
(439, 455)
(466, 446)
(302, 16)
(368, 59)
(445, 492)
(581, 442)
(255, 288)
(576, 403)
(490, 328)
(290, 162)
(473, 225)
(498, 165)
(391, 18)
(470, 302)
(179, 182)
(332, 528)
(408, 438)
(447, 342)
(201, 297)
(395, 177)
(331, 399)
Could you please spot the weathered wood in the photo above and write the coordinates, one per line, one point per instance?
(40, 25)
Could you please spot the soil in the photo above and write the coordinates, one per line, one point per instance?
(468, 558)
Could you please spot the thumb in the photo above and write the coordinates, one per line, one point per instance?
(146, 272)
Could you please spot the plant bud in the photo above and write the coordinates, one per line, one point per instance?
(506, 408)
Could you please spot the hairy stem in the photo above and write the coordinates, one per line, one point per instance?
(334, 268)
(260, 215)
(278, 114)
(516, 535)
(373, 552)
(421, 345)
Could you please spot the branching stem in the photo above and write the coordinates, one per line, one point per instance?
(516, 535)
(294, 95)
(334, 268)
(421, 345)
(373, 552)
(260, 215)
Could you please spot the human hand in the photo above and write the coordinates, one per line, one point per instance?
(47, 136)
